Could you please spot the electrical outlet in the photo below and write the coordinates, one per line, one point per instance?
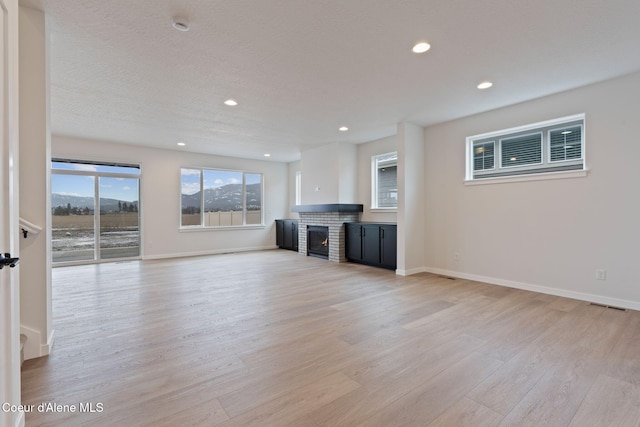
(456, 256)
(601, 274)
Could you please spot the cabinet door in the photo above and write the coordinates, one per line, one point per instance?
(294, 235)
(288, 240)
(353, 243)
(279, 233)
(388, 245)
(371, 244)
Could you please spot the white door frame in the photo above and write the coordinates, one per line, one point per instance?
(9, 203)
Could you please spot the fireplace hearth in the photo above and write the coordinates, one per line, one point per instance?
(318, 241)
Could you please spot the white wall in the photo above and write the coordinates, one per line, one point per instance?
(35, 279)
(551, 235)
(348, 173)
(319, 175)
(365, 152)
(160, 196)
(328, 174)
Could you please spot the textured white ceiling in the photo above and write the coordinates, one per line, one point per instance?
(299, 69)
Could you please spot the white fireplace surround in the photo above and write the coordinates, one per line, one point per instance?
(331, 216)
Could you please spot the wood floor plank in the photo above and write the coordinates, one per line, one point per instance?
(275, 338)
(286, 409)
(610, 402)
(467, 413)
(424, 404)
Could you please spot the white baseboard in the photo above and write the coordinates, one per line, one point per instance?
(46, 348)
(411, 271)
(33, 346)
(211, 252)
(599, 299)
(20, 420)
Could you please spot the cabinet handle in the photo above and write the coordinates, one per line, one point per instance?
(382, 233)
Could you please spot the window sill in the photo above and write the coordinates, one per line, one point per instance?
(384, 210)
(531, 177)
(229, 228)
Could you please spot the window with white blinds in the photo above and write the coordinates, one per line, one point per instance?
(551, 146)
(384, 181)
(521, 150)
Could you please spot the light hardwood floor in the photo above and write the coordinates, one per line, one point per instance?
(276, 339)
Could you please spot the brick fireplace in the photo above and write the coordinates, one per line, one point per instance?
(332, 216)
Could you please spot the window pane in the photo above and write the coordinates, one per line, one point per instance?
(222, 198)
(72, 218)
(483, 155)
(191, 197)
(566, 144)
(522, 150)
(298, 188)
(253, 188)
(387, 180)
(119, 218)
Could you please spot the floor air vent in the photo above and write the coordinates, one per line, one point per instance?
(609, 306)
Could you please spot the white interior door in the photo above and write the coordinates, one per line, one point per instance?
(9, 243)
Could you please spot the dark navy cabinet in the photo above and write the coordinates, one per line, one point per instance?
(287, 234)
(372, 244)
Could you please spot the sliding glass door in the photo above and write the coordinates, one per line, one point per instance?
(95, 211)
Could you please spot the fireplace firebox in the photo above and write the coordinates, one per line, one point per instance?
(318, 241)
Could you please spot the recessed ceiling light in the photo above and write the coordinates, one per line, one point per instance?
(230, 102)
(267, 155)
(485, 85)
(421, 47)
(343, 128)
(180, 24)
(181, 144)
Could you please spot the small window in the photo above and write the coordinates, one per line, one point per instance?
(483, 156)
(384, 181)
(551, 146)
(565, 143)
(298, 188)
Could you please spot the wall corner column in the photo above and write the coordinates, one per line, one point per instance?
(411, 199)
